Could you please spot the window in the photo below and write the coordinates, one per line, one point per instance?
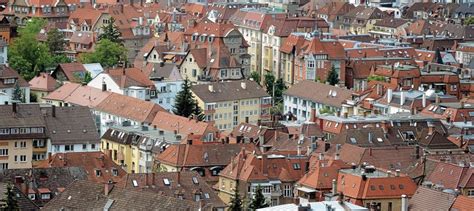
(22, 158)
(469, 192)
(32, 196)
(115, 172)
(98, 172)
(69, 147)
(287, 192)
(166, 181)
(84, 146)
(20, 144)
(296, 166)
(92, 146)
(3, 166)
(46, 196)
(194, 72)
(3, 152)
(195, 180)
(310, 64)
(401, 186)
(38, 143)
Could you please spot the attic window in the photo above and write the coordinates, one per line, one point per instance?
(166, 181)
(401, 186)
(296, 166)
(353, 140)
(195, 181)
(381, 187)
(114, 172)
(206, 195)
(380, 140)
(135, 183)
(98, 173)
(372, 187)
(392, 187)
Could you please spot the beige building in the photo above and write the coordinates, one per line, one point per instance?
(22, 136)
(227, 104)
(42, 85)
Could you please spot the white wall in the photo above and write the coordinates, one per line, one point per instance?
(111, 85)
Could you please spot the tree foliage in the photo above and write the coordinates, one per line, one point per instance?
(333, 77)
(107, 53)
(258, 200)
(110, 32)
(185, 104)
(255, 76)
(469, 21)
(26, 54)
(270, 83)
(8, 201)
(236, 201)
(375, 78)
(17, 93)
(55, 41)
(87, 78)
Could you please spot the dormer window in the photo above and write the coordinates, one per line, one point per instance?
(115, 172)
(9, 81)
(98, 173)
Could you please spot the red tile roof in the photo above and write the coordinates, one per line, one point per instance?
(62, 92)
(43, 82)
(184, 126)
(128, 77)
(450, 175)
(90, 161)
(321, 173)
(463, 203)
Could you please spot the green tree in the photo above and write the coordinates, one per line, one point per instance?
(438, 57)
(110, 32)
(236, 201)
(197, 112)
(325, 110)
(55, 41)
(333, 77)
(87, 78)
(469, 21)
(17, 93)
(185, 104)
(258, 200)
(255, 76)
(26, 54)
(107, 53)
(8, 201)
(278, 84)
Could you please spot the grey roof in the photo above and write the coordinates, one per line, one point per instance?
(85, 195)
(228, 91)
(27, 115)
(320, 93)
(24, 203)
(162, 71)
(71, 125)
(428, 199)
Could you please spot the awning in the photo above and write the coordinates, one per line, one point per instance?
(215, 167)
(306, 190)
(275, 182)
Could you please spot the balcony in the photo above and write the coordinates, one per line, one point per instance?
(268, 105)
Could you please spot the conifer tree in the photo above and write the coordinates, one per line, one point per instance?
(259, 200)
(185, 104)
(438, 57)
(111, 32)
(236, 200)
(333, 77)
(9, 202)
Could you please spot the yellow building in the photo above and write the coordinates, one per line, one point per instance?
(22, 136)
(135, 148)
(227, 104)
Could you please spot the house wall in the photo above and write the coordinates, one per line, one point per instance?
(167, 91)
(111, 85)
(187, 69)
(17, 151)
(396, 203)
(125, 159)
(303, 107)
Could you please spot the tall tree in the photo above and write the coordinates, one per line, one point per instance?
(107, 53)
(197, 112)
(236, 201)
(258, 200)
(111, 32)
(185, 104)
(8, 200)
(255, 76)
(333, 77)
(26, 54)
(277, 84)
(55, 41)
(17, 93)
(439, 58)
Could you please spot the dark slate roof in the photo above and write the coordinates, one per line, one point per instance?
(54, 179)
(85, 195)
(162, 71)
(227, 91)
(27, 115)
(190, 183)
(71, 125)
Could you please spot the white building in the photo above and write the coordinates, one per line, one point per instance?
(317, 206)
(130, 82)
(168, 82)
(9, 81)
(300, 99)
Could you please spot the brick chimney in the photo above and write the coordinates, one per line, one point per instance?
(108, 187)
(264, 164)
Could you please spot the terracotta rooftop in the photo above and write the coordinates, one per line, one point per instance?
(221, 91)
(327, 94)
(44, 82)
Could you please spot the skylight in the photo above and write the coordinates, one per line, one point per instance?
(379, 139)
(195, 181)
(135, 183)
(353, 140)
(166, 182)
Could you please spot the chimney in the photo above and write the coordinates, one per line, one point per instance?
(389, 95)
(334, 187)
(104, 86)
(397, 172)
(108, 187)
(402, 97)
(423, 100)
(321, 156)
(417, 152)
(338, 149)
(14, 108)
(313, 116)
(437, 99)
(211, 88)
(370, 151)
(243, 85)
(53, 111)
(190, 142)
(404, 202)
(247, 119)
(462, 104)
(298, 149)
(345, 115)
